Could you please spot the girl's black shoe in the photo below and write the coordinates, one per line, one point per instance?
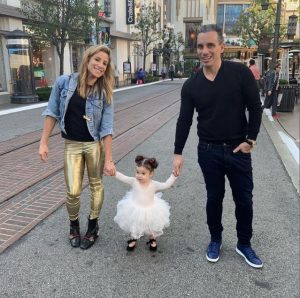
(153, 245)
(74, 236)
(131, 248)
(91, 234)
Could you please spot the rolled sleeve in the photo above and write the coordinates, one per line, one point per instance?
(53, 108)
(106, 127)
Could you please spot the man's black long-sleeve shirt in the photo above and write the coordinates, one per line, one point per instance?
(221, 106)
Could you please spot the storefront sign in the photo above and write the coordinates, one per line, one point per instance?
(264, 45)
(130, 13)
(126, 67)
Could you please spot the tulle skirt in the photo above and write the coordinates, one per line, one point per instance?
(139, 220)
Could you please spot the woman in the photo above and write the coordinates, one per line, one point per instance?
(82, 104)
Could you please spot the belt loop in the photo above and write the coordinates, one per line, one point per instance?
(208, 145)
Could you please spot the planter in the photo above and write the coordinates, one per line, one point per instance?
(43, 93)
(288, 98)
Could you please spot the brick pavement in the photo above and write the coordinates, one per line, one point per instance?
(29, 192)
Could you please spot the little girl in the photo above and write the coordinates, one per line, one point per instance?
(142, 211)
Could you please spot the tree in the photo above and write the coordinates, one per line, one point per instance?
(147, 33)
(57, 22)
(178, 45)
(167, 36)
(173, 43)
(255, 24)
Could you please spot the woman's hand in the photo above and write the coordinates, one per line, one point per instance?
(43, 152)
(109, 168)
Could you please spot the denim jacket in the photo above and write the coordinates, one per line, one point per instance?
(99, 112)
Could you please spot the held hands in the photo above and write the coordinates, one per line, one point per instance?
(177, 164)
(269, 93)
(109, 168)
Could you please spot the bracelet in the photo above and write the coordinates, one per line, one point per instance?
(250, 142)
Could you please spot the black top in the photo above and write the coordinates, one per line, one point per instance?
(75, 124)
(221, 105)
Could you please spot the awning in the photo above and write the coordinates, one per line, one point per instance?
(11, 11)
(122, 35)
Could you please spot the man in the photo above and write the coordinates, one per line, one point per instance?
(220, 92)
(172, 71)
(255, 71)
(272, 90)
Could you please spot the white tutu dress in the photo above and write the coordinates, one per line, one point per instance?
(142, 211)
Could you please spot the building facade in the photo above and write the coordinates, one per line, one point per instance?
(44, 62)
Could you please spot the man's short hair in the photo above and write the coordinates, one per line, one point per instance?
(210, 28)
(251, 61)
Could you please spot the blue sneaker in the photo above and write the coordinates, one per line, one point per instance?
(249, 255)
(213, 251)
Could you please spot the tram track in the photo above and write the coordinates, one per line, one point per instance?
(34, 137)
(30, 190)
(28, 171)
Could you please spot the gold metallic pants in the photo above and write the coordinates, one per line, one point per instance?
(76, 156)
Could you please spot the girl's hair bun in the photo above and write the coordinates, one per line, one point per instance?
(139, 158)
(149, 163)
(153, 162)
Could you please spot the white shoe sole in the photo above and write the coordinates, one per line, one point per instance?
(247, 261)
(213, 260)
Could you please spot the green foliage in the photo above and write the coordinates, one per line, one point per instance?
(56, 22)
(173, 43)
(178, 45)
(283, 82)
(147, 31)
(255, 24)
(150, 79)
(43, 93)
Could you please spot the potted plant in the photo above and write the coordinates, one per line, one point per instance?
(43, 93)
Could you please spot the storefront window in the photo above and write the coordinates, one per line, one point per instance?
(38, 70)
(220, 15)
(20, 71)
(228, 15)
(191, 33)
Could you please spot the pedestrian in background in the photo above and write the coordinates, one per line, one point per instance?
(82, 105)
(272, 90)
(117, 75)
(255, 71)
(140, 76)
(142, 211)
(220, 92)
(172, 71)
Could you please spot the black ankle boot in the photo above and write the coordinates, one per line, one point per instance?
(74, 236)
(91, 234)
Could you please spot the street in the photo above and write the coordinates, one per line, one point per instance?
(43, 264)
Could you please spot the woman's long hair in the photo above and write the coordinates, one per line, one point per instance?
(106, 82)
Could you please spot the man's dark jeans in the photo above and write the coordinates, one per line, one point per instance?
(216, 162)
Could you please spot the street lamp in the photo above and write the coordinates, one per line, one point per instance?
(264, 6)
(292, 25)
(97, 21)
